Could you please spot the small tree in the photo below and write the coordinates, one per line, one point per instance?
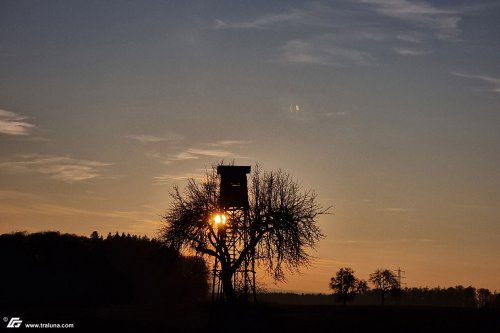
(483, 297)
(384, 281)
(345, 285)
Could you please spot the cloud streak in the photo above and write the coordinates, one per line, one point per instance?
(13, 124)
(411, 52)
(443, 23)
(324, 51)
(167, 179)
(15, 205)
(61, 168)
(327, 263)
(491, 82)
(353, 33)
(336, 114)
(392, 210)
(147, 138)
(292, 16)
(219, 149)
(197, 153)
(225, 143)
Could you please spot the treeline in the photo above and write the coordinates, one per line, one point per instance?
(458, 296)
(49, 268)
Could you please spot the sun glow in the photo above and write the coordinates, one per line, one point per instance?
(220, 219)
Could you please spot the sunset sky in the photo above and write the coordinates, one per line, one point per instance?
(388, 109)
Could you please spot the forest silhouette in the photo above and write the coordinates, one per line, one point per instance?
(49, 268)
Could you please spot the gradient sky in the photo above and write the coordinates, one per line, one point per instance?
(389, 109)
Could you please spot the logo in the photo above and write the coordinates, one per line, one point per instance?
(14, 322)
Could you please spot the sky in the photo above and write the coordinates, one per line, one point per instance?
(388, 109)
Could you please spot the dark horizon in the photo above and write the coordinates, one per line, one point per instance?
(133, 284)
(95, 264)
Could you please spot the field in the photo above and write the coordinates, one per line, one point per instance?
(267, 318)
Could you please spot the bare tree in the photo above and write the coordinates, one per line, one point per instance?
(385, 281)
(345, 285)
(282, 218)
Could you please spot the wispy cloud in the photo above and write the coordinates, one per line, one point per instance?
(167, 179)
(17, 195)
(20, 204)
(336, 114)
(411, 52)
(377, 242)
(291, 16)
(209, 152)
(197, 153)
(352, 33)
(394, 210)
(13, 124)
(223, 149)
(182, 156)
(61, 168)
(324, 51)
(328, 263)
(325, 25)
(443, 23)
(147, 138)
(414, 38)
(225, 143)
(311, 15)
(219, 149)
(492, 82)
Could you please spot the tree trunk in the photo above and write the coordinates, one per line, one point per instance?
(382, 299)
(227, 286)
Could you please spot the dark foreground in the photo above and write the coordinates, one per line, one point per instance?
(263, 318)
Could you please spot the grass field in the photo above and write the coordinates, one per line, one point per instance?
(266, 318)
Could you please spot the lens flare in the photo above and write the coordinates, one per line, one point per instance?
(220, 219)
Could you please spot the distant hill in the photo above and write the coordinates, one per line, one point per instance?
(49, 268)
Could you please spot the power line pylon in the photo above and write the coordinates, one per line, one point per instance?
(400, 275)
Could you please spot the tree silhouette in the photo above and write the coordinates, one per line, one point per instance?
(384, 281)
(282, 224)
(95, 236)
(345, 285)
(483, 297)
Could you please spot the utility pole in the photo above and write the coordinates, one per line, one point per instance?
(400, 276)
